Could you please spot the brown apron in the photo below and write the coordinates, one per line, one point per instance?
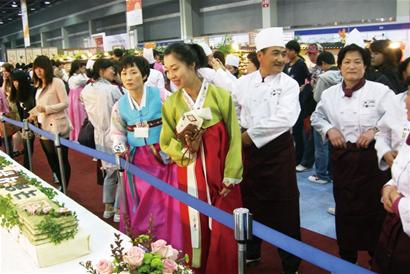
(392, 254)
(357, 185)
(269, 187)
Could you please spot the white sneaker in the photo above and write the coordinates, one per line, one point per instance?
(331, 210)
(108, 214)
(315, 179)
(116, 218)
(301, 168)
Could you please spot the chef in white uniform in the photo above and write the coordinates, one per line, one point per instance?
(393, 250)
(268, 101)
(232, 64)
(393, 130)
(347, 115)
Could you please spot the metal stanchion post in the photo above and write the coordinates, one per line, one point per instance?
(57, 144)
(5, 137)
(124, 210)
(120, 171)
(243, 232)
(27, 135)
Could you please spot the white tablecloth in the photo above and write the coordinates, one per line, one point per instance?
(14, 260)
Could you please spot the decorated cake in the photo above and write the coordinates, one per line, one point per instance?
(47, 230)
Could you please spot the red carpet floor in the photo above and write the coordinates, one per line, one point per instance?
(84, 189)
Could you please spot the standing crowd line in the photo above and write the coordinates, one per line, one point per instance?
(187, 117)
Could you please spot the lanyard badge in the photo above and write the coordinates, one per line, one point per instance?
(141, 130)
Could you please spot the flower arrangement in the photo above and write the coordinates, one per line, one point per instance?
(145, 256)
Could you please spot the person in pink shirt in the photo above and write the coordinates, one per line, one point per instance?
(158, 64)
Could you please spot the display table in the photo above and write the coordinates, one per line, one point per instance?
(13, 259)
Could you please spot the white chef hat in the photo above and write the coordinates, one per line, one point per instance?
(269, 37)
(90, 64)
(149, 55)
(232, 60)
(206, 48)
(355, 37)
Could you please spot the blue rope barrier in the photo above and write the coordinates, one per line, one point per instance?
(304, 251)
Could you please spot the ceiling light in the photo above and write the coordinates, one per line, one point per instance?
(32, 9)
(9, 19)
(14, 5)
(1, 23)
(47, 2)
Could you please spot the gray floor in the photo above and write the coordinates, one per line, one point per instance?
(315, 199)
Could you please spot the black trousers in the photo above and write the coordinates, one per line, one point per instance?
(290, 263)
(10, 143)
(52, 158)
(305, 148)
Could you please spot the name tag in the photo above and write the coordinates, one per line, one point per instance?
(141, 130)
(369, 104)
(405, 132)
(275, 92)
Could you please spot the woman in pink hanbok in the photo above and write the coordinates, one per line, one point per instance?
(135, 127)
(76, 110)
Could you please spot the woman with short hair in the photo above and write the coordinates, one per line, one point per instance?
(135, 126)
(347, 115)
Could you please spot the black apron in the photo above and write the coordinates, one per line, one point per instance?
(392, 254)
(269, 187)
(357, 191)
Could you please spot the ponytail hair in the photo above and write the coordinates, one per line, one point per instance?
(188, 53)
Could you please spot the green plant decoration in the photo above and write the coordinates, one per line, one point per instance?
(8, 213)
(226, 45)
(54, 230)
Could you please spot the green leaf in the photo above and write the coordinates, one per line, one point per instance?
(54, 230)
(8, 213)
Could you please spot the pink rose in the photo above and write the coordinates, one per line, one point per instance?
(134, 256)
(104, 267)
(171, 253)
(159, 247)
(169, 266)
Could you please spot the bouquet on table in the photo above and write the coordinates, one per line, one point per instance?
(145, 256)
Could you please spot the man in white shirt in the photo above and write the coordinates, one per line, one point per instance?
(269, 107)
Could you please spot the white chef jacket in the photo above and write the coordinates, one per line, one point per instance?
(155, 79)
(268, 107)
(401, 179)
(393, 129)
(351, 116)
(98, 99)
(78, 80)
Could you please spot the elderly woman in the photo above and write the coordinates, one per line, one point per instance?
(393, 250)
(347, 115)
(136, 123)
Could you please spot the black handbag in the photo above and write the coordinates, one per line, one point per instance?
(86, 134)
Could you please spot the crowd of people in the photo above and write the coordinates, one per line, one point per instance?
(187, 117)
